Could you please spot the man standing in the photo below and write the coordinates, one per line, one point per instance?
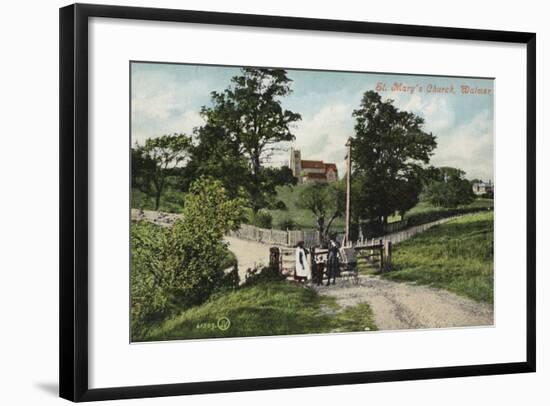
(333, 262)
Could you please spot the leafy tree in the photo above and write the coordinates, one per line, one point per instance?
(389, 152)
(326, 201)
(181, 266)
(261, 219)
(156, 160)
(247, 120)
(216, 156)
(143, 169)
(449, 188)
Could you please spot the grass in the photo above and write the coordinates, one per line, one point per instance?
(457, 256)
(269, 308)
(172, 202)
(426, 208)
(303, 219)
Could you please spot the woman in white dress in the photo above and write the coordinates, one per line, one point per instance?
(302, 264)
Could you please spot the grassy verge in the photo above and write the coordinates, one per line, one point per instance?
(270, 308)
(457, 256)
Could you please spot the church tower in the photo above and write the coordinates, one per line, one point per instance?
(296, 163)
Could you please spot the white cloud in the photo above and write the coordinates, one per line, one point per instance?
(468, 146)
(161, 105)
(323, 134)
(435, 109)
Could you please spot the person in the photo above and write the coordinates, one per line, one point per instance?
(316, 269)
(302, 266)
(333, 262)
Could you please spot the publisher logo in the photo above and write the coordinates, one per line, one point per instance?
(224, 323)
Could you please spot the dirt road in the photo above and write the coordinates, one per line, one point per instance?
(395, 305)
(406, 306)
(249, 253)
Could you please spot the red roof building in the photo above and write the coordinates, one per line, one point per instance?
(307, 171)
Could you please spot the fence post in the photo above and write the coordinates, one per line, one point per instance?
(275, 259)
(387, 254)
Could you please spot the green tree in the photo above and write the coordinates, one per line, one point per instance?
(449, 188)
(247, 120)
(156, 160)
(181, 266)
(326, 201)
(217, 156)
(389, 152)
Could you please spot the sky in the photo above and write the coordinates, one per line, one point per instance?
(167, 98)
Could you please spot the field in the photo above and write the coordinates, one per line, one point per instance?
(457, 256)
(172, 202)
(304, 219)
(265, 308)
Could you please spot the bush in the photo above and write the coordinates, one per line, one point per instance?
(280, 205)
(262, 219)
(181, 266)
(266, 274)
(150, 300)
(230, 280)
(287, 224)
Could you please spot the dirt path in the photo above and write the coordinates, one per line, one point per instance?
(406, 306)
(249, 253)
(395, 305)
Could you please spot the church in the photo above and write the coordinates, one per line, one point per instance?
(308, 171)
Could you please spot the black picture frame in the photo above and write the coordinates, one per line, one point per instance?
(73, 196)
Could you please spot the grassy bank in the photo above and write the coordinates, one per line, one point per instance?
(268, 308)
(457, 256)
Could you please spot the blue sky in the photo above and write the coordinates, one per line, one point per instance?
(166, 98)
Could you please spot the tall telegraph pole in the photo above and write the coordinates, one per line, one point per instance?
(348, 192)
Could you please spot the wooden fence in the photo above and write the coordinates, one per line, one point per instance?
(403, 235)
(288, 238)
(311, 238)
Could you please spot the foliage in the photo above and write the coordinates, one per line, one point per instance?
(449, 188)
(457, 256)
(423, 212)
(279, 205)
(171, 201)
(231, 280)
(177, 267)
(261, 219)
(326, 201)
(217, 156)
(266, 274)
(155, 161)
(303, 218)
(265, 309)
(389, 150)
(287, 224)
(244, 126)
(151, 301)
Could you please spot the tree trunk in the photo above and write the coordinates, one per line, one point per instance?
(157, 200)
(321, 228)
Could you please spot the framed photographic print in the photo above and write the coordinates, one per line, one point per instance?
(255, 202)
